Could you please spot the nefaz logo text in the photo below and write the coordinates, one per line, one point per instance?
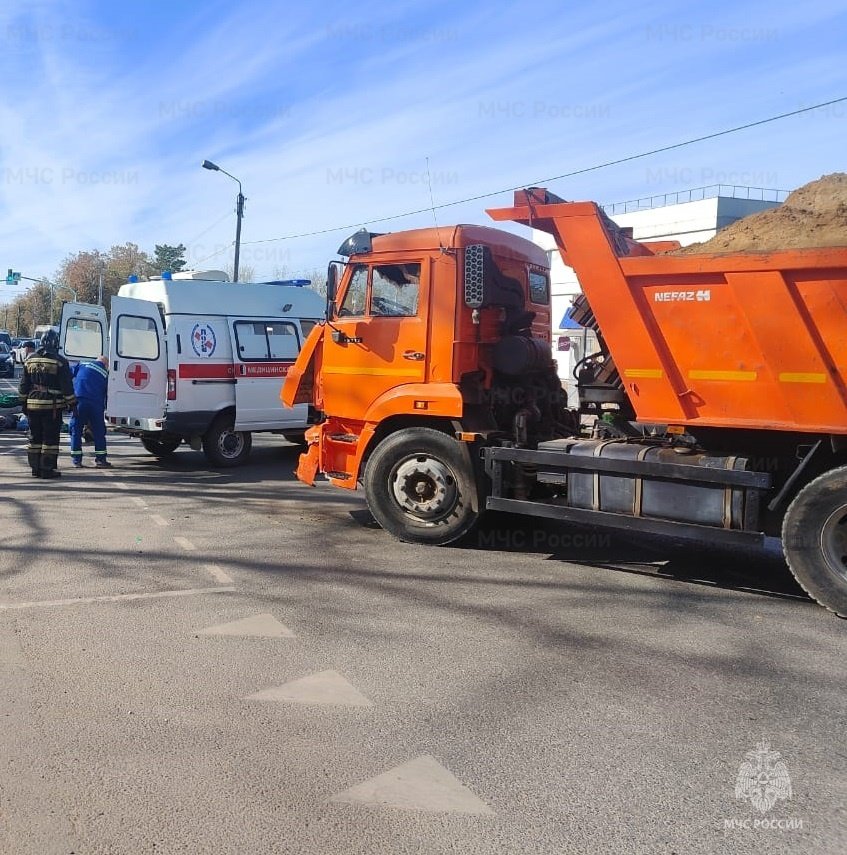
(700, 295)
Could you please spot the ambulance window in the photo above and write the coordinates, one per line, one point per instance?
(137, 338)
(282, 341)
(83, 339)
(307, 325)
(355, 299)
(250, 337)
(395, 289)
(263, 340)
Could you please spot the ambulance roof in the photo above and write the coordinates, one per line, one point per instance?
(236, 299)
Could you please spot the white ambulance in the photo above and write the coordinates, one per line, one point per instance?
(198, 360)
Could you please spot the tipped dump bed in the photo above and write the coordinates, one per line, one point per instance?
(748, 340)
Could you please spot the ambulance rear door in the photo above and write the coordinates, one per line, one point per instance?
(138, 361)
(83, 332)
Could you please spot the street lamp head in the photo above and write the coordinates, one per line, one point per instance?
(207, 164)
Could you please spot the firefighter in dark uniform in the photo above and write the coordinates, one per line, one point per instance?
(48, 389)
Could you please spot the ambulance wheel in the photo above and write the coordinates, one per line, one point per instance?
(420, 486)
(814, 539)
(161, 447)
(224, 446)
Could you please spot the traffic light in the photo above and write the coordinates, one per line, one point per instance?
(12, 277)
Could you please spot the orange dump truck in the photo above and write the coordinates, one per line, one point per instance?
(715, 408)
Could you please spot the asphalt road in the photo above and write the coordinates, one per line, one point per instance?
(203, 661)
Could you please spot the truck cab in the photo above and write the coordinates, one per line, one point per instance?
(432, 335)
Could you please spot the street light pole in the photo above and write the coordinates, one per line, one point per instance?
(239, 213)
(53, 286)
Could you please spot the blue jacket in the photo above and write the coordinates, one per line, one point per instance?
(91, 382)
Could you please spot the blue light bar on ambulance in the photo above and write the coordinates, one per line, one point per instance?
(298, 283)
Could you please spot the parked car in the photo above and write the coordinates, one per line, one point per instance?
(7, 361)
(25, 347)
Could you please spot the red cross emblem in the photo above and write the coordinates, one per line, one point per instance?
(137, 375)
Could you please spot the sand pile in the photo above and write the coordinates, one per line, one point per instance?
(813, 215)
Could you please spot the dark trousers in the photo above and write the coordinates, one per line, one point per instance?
(43, 448)
(88, 413)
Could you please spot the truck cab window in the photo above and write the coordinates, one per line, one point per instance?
(539, 289)
(395, 290)
(355, 299)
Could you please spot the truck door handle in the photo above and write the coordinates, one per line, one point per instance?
(414, 355)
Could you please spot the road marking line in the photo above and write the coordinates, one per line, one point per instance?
(140, 502)
(121, 485)
(186, 544)
(159, 520)
(218, 574)
(115, 598)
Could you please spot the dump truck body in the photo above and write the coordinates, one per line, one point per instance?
(714, 409)
(745, 340)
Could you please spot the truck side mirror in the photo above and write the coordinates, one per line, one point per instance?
(331, 289)
(474, 275)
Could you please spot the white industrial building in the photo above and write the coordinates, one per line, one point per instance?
(689, 216)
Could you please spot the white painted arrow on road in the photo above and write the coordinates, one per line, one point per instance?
(421, 784)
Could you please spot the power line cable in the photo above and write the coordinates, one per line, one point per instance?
(542, 181)
(217, 222)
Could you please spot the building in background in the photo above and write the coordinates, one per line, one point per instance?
(688, 216)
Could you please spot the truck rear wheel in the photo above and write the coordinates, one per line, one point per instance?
(421, 487)
(814, 539)
(161, 447)
(224, 446)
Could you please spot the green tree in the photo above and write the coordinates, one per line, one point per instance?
(169, 257)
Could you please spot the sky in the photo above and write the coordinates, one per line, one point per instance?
(338, 115)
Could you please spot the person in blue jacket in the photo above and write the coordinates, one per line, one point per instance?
(90, 386)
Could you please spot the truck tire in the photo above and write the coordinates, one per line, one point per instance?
(420, 486)
(163, 447)
(814, 539)
(224, 446)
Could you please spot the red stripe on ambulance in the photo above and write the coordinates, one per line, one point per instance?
(223, 371)
(206, 371)
(264, 369)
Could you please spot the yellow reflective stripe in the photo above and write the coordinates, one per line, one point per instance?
(723, 375)
(652, 373)
(801, 377)
(392, 372)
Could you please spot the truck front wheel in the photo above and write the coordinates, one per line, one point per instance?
(421, 487)
(814, 539)
(224, 446)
